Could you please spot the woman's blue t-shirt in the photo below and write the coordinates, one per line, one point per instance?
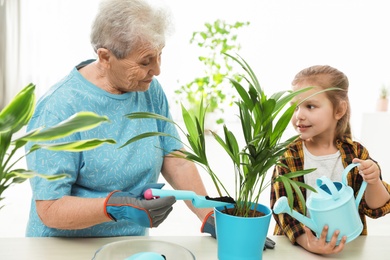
(95, 173)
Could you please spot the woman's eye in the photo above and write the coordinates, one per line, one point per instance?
(145, 62)
(310, 106)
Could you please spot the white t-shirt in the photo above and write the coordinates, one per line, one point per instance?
(329, 166)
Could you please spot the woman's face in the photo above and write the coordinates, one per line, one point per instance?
(136, 71)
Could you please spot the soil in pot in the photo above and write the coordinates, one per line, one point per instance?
(252, 214)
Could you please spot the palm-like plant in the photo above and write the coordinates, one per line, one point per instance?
(16, 115)
(263, 122)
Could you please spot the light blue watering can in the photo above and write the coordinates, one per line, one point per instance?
(333, 205)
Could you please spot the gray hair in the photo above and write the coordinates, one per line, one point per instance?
(122, 24)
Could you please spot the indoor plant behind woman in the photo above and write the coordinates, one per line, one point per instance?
(16, 115)
(263, 121)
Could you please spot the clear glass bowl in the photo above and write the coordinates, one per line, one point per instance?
(121, 250)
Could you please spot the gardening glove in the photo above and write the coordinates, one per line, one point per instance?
(269, 243)
(208, 226)
(132, 206)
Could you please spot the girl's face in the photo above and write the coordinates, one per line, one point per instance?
(314, 117)
(136, 71)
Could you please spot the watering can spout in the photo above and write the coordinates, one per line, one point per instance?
(281, 206)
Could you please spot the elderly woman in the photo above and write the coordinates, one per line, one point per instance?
(103, 194)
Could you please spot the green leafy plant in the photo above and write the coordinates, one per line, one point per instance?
(218, 38)
(16, 115)
(263, 122)
(384, 92)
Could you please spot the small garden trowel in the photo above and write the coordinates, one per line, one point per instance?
(197, 200)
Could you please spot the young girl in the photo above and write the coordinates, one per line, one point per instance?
(325, 143)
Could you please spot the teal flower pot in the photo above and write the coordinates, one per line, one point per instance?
(240, 238)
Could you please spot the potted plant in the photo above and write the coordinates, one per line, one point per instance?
(383, 101)
(16, 115)
(263, 121)
(217, 38)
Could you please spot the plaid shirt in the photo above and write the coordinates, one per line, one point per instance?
(293, 158)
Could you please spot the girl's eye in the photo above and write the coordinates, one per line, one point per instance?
(310, 106)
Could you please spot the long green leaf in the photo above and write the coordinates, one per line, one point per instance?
(27, 174)
(248, 69)
(193, 135)
(287, 187)
(281, 125)
(282, 102)
(242, 92)
(145, 135)
(190, 124)
(299, 194)
(80, 121)
(225, 146)
(319, 92)
(297, 174)
(279, 94)
(76, 146)
(18, 112)
(305, 186)
(231, 141)
(145, 115)
(5, 140)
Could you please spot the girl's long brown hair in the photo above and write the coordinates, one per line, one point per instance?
(325, 76)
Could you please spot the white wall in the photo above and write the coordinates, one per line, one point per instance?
(284, 37)
(287, 36)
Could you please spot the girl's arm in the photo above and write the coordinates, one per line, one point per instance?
(376, 194)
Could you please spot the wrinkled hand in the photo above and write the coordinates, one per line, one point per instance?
(369, 170)
(320, 246)
(131, 206)
(208, 226)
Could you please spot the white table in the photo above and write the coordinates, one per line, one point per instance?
(203, 247)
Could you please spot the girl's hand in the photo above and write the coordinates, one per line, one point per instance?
(319, 245)
(376, 194)
(369, 170)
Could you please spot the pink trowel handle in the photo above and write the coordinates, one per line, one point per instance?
(148, 194)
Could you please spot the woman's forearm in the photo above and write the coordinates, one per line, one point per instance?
(72, 212)
(183, 175)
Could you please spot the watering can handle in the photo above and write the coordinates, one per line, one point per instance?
(362, 187)
(334, 192)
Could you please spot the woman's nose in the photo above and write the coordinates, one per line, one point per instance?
(155, 69)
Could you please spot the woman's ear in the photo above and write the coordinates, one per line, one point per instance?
(341, 110)
(104, 57)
